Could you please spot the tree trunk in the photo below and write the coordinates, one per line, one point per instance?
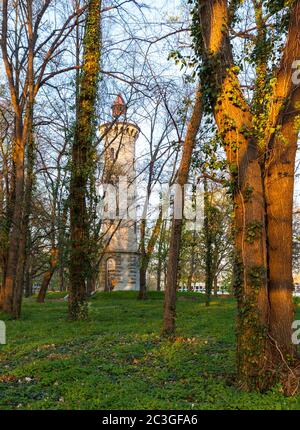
(249, 214)
(28, 280)
(91, 281)
(279, 189)
(216, 289)
(63, 216)
(19, 283)
(13, 285)
(48, 275)
(158, 277)
(143, 284)
(208, 246)
(17, 217)
(251, 278)
(171, 281)
(264, 305)
(143, 262)
(147, 254)
(2, 230)
(5, 229)
(176, 229)
(192, 263)
(62, 279)
(279, 177)
(81, 162)
(25, 235)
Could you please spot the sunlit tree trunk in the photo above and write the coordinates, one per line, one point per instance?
(232, 119)
(21, 23)
(263, 214)
(13, 284)
(279, 186)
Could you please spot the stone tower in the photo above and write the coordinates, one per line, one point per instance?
(119, 267)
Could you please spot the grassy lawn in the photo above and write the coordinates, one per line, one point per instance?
(117, 360)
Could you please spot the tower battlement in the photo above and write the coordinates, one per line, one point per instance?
(120, 128)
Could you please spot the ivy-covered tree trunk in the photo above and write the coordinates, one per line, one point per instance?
(176, 228)
(16, 229)
(262, 205)
(233, 118)
(82, 162)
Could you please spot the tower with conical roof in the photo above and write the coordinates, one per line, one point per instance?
(119, 267)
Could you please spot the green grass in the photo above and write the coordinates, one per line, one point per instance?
(117, 360)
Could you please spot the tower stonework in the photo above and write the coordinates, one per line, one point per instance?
(119, 266)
